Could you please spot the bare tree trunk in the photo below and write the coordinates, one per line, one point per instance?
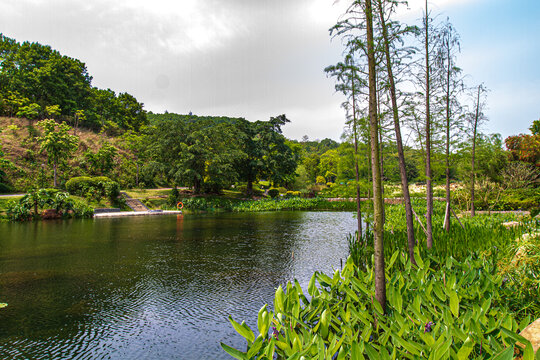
(475, 129)
(411, 242)
(378, 205)
(355, 123)
(429, 187)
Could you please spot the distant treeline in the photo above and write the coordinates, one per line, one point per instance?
(38, 82)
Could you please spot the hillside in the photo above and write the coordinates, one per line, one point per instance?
(18, 139)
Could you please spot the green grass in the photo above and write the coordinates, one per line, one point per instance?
(146, 193)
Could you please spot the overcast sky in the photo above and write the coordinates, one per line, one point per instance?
(261, 58)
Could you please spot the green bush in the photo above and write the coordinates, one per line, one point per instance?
(93, 188)
(77, 185)
(448, 309)
(273, 192)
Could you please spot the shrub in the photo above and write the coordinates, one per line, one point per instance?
(93, 187)
(77, 185)
(320, 180)
(291, 194)
(273, 192)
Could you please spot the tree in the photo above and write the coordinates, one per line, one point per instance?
(452, 84)
(349, 84)
(195, 151)
(52, 111)
(135, 142)
(101, 162)
(328, 166)
(80, 116)
(378, 204)
(397, 128)
(525, 147)
(535, 127)
(132, 114)
(475, 120)
(29, 112)
(429, 187)
(57, 143)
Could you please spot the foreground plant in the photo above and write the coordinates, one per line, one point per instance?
(458, 311)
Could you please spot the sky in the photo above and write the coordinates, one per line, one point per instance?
(260, 58)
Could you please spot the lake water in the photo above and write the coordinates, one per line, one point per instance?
(153, 287)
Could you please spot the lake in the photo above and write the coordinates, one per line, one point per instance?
(155, 286)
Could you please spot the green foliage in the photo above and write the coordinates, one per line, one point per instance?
(29, 205)
(56, 142)
(320, 180)
(102, 161)
(492, 196)
(273, 193)
(346, 191)
(35, 77)
(291, 194)
(93, 188)
(257, 191)
(52, 111)
(29, 111)
(13, 128)
(520, 266)
(294, 203)
(441, 309)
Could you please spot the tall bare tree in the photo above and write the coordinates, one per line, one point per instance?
(387, 41)
(350, 84)
(451, 83)
(476, 119)
(378, 204)
(429, 185)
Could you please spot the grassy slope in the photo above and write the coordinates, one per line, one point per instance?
(23, 151)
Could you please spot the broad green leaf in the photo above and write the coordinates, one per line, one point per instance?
(312, 288)
(254, 348)
(372, 353)
(262, 318)
(356, 353)
(237, 354)
(392, 260)
(418, 258)
(465, 350)
(506, 354)
(278, 300)
(528, 354)
(454, 303)
(408, 345)
(243, 330)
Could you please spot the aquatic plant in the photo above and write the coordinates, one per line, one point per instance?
(450, 309)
